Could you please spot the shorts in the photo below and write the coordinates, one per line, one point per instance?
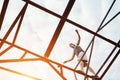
(85, 62)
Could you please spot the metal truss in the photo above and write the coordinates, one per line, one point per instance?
(59, 27)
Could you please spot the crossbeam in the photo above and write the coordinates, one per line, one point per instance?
(71, 22)
(40, 58)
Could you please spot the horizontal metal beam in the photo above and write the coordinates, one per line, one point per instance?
(36, 59)
(59, 28)
(45, 60)
(71, 22)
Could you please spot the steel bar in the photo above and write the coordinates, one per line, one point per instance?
(12, 26)
(91, 51)
(44, 59)
(106, 15)
(3, 11)
(72, 22)
(110, 20)
(20, 22)
(62, 76)
(19, 73)
(4, 51)
(108, 67)
(23, 55)
(63, 19)
(83, 54)
(34, 59)
(59, 27)
(99, 28)
(107, 59)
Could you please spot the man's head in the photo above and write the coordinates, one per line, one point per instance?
(72, 45)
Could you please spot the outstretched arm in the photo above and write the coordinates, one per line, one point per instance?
(70, 59)
(79, 38)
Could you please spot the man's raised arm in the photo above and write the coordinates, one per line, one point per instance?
(79, 38)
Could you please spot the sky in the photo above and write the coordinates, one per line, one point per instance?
(38, 28)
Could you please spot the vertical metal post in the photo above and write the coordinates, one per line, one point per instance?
(59, 27)
(3, 11)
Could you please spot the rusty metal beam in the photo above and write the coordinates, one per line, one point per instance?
(3, 11)
(19, 73)
(72, 22)
(20, 16)
(59, 28)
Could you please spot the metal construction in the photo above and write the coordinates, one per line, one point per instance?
(63, 18)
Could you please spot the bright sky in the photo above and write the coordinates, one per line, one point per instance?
(38, 28)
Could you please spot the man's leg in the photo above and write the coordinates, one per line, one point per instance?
(82, 66)
(91, 70)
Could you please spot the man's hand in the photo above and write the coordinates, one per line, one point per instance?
(76, 30)
(65, 62)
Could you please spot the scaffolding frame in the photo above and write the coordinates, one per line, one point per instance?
(45, 58)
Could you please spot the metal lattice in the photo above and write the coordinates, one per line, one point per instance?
(63, 18)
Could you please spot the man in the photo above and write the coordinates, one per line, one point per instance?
(78, 51)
